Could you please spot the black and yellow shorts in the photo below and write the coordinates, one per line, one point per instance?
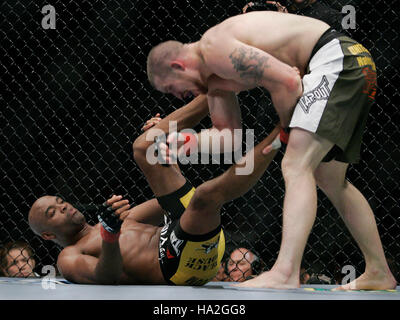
(187, 259)
(339, 89)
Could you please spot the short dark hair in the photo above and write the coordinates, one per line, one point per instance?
(157, 59)
(10, 246)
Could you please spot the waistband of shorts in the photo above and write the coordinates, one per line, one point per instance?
(181, 234)
(326, 37)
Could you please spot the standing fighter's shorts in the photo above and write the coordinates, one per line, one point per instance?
(339, 89)
(187, 259)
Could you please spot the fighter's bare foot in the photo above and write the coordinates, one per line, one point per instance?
(270, 279)
(369, 281)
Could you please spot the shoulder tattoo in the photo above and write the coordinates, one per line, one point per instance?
(249, 64)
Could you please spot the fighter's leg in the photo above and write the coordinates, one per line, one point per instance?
(164, 180)
(304, 152)
(203, 213)
(359, 219)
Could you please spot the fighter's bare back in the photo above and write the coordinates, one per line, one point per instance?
(289, 38)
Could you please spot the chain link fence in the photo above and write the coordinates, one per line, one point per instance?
(75, 97)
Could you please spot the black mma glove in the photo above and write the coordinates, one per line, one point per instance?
(109, 220)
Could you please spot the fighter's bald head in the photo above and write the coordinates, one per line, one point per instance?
(37, 214)
(53, 218)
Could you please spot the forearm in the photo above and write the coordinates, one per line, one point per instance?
(285, 99)
(225, 111)
(186, 117)
(226, 134)
(109, 267)
(111, 215)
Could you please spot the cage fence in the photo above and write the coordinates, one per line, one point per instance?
(75, 97)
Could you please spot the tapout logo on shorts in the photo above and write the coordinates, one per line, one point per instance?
(321, 92)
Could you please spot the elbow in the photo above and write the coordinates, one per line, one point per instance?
(293, 84)
(139, 148)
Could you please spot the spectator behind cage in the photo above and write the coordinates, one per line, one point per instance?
(221, 275)
(16, 260)
(242, 265)
(315, 274)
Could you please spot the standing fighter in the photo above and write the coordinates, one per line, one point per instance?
(327, 112)
(128, 246)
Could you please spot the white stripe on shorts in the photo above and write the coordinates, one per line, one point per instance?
(325, 67)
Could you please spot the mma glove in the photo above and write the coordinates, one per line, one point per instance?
(185, 143)
(110, 224)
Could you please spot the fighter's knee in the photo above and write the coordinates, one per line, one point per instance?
(290, 168)
(304, 153)
(293, 169)
(206, 195)
(293, 83)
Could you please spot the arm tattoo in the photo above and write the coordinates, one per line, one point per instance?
(249, 64)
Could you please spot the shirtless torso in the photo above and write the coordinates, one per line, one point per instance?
(287, 37)
(139, 250)
(257, 49)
